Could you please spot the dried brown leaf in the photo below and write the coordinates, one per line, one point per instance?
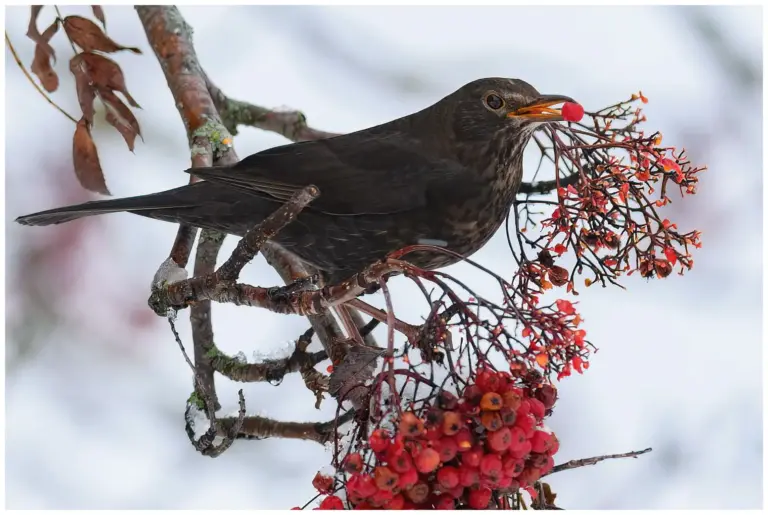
(41, 64)
(106, 73)
(98, 12)
(86, 159)
(120, 117)
(88, 36)
(86, 92)
(34, 34)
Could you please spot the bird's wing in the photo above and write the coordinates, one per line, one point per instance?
(359, 173)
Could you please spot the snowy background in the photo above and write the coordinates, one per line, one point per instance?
(95, 385)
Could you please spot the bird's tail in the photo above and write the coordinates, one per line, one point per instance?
(138, 205)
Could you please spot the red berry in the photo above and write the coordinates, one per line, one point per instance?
(549, 465)
(464, 440)
(456, 491)
(427, 461)
(503, 483)
(512, 399)
(540, 441)
(469, 476)
(524, 409)
(365, 505)
(418, 493)
(362, 486)
(473, 394)
(554, 445)
(491, 401)
(379, 440)
(488, 381)
(434, 433)
(434, 417)
(447, 400)
(527, 424)
(445, 502)
(332, 502)
(385, 479)
(448, 477)
(479, 498)
(547, 394)
(491, 420)
(513, 466)
(508, 416)
(500, 440)
(517, 437)
(407, 479)
(296, 508)
(521, 451)
(537, 408)
(452, 423)
(411, 426)
(448, 448)
(472, 457)
(529, 476)
(399, 459)
(537, 460)
(353, 462)
(323, 483)
(381, 497)
(490, 465)
(572, 112)
(396, 503)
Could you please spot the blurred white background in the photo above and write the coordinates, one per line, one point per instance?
(95, 385)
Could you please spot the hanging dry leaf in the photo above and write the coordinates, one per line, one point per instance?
(105, 73)
(34, 34)
(41, 64)
(120, 117)
(86, 160)
(98, 12)
(86, 92)
(88, 36)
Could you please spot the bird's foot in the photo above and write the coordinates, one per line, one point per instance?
(303, 284)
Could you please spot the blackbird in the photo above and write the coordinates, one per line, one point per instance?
(446, 175)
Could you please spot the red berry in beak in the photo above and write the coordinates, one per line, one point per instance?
(572, 112)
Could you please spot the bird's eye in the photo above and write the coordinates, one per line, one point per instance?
(494, 101)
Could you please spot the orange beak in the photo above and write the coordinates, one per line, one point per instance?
(541, 109)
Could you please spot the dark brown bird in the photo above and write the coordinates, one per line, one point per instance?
(446, 175)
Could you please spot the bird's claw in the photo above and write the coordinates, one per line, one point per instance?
(302, 284)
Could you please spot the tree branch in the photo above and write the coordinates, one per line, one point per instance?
(573, 464)
(291, 124)
(544, 187)
(260, 428)
(272, 371)
(170, 38)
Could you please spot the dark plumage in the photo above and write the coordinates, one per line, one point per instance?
(448, 173)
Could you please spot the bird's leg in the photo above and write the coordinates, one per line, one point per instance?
(410, 331)
(349, 324)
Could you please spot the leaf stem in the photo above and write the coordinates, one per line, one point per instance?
(31, 80)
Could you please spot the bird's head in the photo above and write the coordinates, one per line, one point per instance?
(486, 107)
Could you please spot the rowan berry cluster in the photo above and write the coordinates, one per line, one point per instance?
(472, 450)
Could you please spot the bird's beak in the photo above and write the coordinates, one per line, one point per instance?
(541, 109)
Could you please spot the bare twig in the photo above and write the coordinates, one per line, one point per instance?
(272, 371)
(260, 428)
(291, 124)
(544, 187)
(573, 464)
(250, 244)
